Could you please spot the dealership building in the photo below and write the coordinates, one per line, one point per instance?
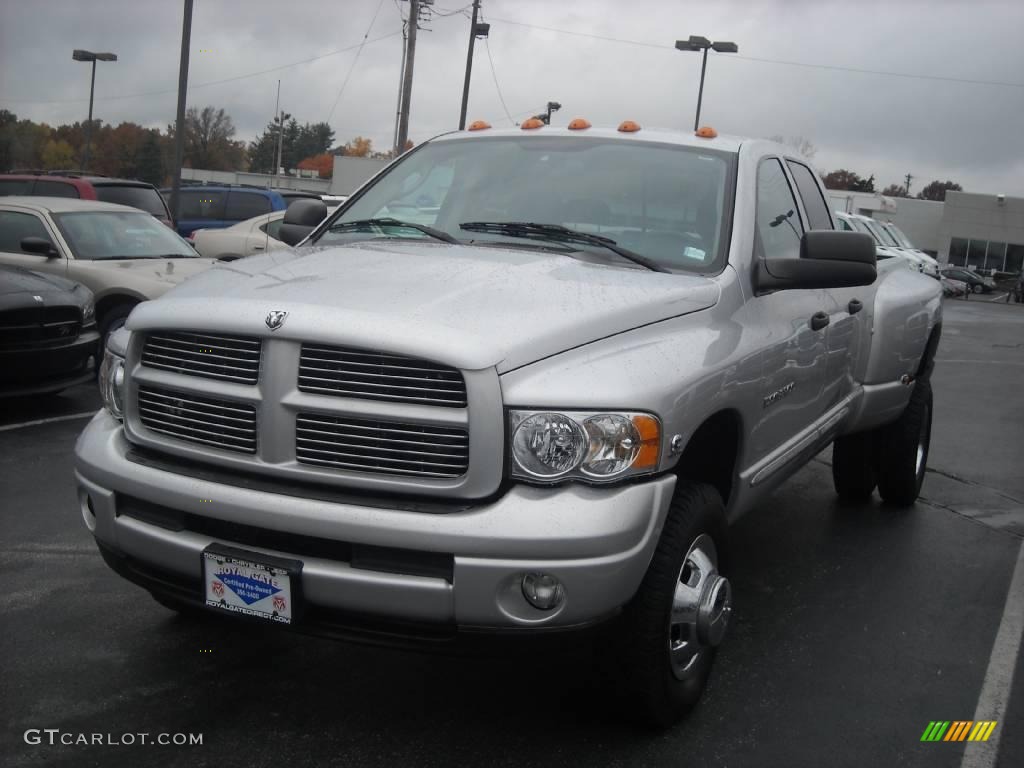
(979, 231)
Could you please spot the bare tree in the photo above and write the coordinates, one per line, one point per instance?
(802, 145)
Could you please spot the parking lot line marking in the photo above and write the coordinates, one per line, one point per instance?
(977, 362)
(68, 417)
(995, 691)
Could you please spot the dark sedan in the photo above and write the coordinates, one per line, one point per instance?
(48, 338)
(975, 282)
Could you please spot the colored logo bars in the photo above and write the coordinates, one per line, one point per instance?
(958, 730)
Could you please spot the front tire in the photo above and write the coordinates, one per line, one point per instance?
(670, 630)
(903, 449)
(853, 466)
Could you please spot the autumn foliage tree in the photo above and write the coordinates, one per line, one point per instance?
(358, 147)
(323, 164)
(937, 190)
(843, 179)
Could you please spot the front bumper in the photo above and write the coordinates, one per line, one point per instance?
(43, 369)
(597, 541)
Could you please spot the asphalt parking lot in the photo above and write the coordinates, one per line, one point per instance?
(856, 626)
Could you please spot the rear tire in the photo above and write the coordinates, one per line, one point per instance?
(853, 466)
(669, 631)
(903, 449)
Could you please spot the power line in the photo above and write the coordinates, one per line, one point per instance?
(352, 68)
(645, 44)
(211, 82)
(494, 74)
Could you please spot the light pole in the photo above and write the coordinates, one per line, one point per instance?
(79, 55)
(697, 43)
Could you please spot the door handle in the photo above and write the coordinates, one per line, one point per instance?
(854, 306)
(257, 247)
(819, 320)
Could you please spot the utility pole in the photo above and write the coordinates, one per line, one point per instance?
(88, 125)
(907, 187)
(179, 125)
(401, 81)
(410, 58)
(469, 66)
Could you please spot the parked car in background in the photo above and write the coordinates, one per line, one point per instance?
(130, 192)
(884, 239)
(206, 206)
(975, 282)
(930, 262)
(48, 338)
(953, 288)
(849, 223)
(245, 238)
(124, 256)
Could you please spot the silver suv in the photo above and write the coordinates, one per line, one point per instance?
(521, 381)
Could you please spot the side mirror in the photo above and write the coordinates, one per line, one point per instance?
(300, 219)
(828, 259)
(39, 245)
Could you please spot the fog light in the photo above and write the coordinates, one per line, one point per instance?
(543, 591)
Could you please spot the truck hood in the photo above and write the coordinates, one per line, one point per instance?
(472, 307)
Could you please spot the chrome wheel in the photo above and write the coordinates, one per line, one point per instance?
(701, 608)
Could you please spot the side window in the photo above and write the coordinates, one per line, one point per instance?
(810, 193)
(55, 189)
(245, 205)
(844, 225)
(272, 228)
(202, 204)
(14, 226)
(15, 186)
(778, 223)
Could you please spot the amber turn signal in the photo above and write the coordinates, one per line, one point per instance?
(650, 441)
(479, 125)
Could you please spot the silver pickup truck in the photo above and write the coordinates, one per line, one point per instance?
(519, 383)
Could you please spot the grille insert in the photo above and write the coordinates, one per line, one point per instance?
(226, 424)
(386, 447)
(39, 327)
(211, 356)
(372, 375)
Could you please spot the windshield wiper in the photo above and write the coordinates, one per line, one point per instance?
(559, 233)
(437, 234)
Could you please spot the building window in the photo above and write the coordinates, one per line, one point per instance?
(976, 254)
(996, 256)
(1014, 257)
(958, 251)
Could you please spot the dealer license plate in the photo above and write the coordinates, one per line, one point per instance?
(245, 583)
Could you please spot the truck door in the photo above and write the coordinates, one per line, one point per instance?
(848, 332)
(792, 323)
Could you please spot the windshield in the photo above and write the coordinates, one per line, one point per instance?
(897, 233)
(119, 235)
(880, 233)
(664, 202)
(144, 198)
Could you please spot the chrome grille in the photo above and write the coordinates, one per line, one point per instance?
(372, 375)
(230, 358)
(388, 447)
(226, 424)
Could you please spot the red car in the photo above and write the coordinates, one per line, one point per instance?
(137, 194)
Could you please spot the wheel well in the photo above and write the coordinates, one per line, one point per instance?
(710, 455)
(924, 369)
(107, 303)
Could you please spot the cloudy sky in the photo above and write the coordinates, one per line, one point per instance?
(800, 71)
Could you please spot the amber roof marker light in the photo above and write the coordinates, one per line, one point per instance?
(629, 126)
(698, 43)
(705, 132)
(532, 124)
(579, 124)
(478, 125)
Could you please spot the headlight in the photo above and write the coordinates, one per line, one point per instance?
(111, 382)
(592, 446)
(88, 312)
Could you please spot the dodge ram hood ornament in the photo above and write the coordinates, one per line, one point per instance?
(275, 319)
